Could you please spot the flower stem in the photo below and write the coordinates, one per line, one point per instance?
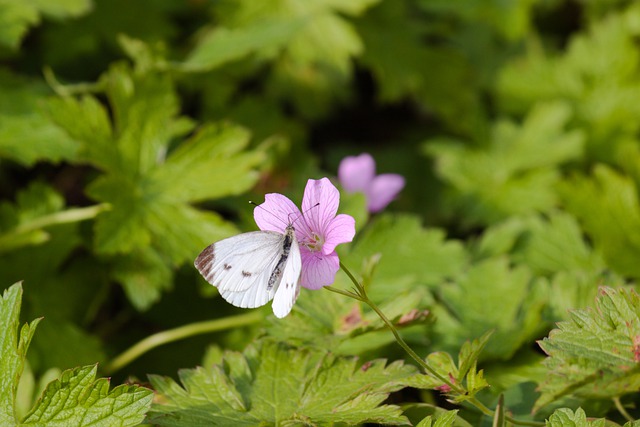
(361, 295)
(164, 337)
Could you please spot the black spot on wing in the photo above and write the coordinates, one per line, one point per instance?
(246, 274)
(227, 266)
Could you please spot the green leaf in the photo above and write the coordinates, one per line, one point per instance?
(596, 353)
(27, 135)
(491, 295)
(14, 342)
(150, 181)
(273, 383)
(410, 254)
(17, 16)
(222, 45)
(312, 69)
(63, 8)
(74, 399)
(406, 67)
(613, 223)
(465, 376)
(443, 419)
(516, 173)
(565, 417)
(556, 243)
(78, 399)
(325, 319)
(582, 76)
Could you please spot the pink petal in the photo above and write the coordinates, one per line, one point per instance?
(356, 172)
(320, 204)
(318, 270)
(341, 229)
(276, 213)
(383, 189)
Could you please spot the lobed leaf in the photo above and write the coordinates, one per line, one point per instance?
(281, 385)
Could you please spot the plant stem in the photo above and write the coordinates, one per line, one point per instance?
(362, 296)
(620, 408)
(176, 334)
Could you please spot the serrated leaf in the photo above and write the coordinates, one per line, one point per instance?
(596, 353)
(516, 173)
(277, 384)
(14, 342)
(78, 399)
(443, 419)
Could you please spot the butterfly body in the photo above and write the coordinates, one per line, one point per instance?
(253, 268)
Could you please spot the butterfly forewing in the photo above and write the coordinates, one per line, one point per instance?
(240, 266)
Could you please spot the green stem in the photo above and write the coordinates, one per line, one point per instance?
(362, 296)
(66, 216)
(345, 293)
(620, 408)
(179, 333)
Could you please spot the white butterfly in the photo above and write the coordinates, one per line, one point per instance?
(253, 268)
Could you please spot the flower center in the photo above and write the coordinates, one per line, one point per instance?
(315, 242)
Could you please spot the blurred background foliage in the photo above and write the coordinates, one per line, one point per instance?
(132, 135)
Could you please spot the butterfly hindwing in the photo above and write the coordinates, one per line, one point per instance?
(289, 286)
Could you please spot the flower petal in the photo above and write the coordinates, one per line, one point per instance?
(341, 229)
(356, 172)
(318, 270)
(276, 213)
(383, 189)
(320, 204)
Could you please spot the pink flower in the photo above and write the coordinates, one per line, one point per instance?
(317, 227)
(358, 174)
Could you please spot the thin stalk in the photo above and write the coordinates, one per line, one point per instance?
(345, 293)
(66, 216)
(362, 296)
(620, 408)
(176, 334)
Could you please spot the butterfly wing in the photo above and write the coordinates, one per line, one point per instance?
(289, 288)
(240, 267)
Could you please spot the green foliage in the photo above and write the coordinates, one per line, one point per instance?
(76, 398)
(274, 383)
(150, 191)
(466, 379)
(26, 135)
(133, 134)
(516, 173)
(613, 222)
(17, 16)
(595, 354)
